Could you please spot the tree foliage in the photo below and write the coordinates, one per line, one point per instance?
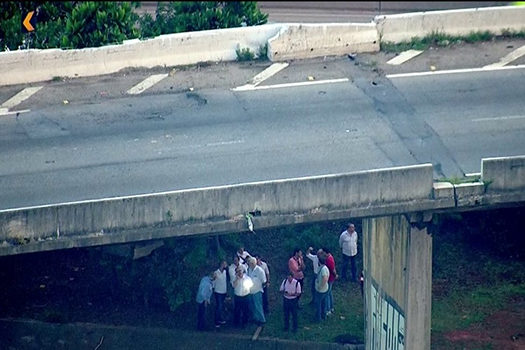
(79, 24)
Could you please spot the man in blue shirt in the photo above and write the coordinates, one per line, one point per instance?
(203, 299)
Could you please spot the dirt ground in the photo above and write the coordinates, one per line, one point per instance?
(503, 330)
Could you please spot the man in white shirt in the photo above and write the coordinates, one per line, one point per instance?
(219, 290)
(242, 285)
(231, 269)
(348, 244)
(315, 264)
(243, 255)
(258, 277)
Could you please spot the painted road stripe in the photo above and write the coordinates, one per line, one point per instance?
(404, 56)
(268, 72)
(514, 55)
(21, 96)
(265, 74)
(303, 83)
(5, 111)
(222, 143)
(146, 84)
(510, 117)
(453, 71)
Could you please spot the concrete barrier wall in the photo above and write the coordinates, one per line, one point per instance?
(285, 41)
(272, 198)
(299, 41)
(25, 66)
(503, 174)
(403, 27)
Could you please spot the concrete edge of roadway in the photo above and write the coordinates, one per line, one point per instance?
(22, 333)
(285, 41)
(254, 206)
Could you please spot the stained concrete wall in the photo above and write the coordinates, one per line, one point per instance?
(419, 289)
(222, 209)
(207, 208)
(385, 256)
(503, 173)
(397, 264)
(285, 41)
(300, 41)
(403, 27)
(25, 66)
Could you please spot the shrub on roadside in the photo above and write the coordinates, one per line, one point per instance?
(79, 24)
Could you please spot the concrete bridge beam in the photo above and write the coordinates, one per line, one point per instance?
(397, 264)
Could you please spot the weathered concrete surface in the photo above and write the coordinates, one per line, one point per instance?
(419, 289)
(503, 173)
(386, 253)
(300, 41)
(25, 66)
(285, 41)
(223, 209)
(218, 209)
(404, 27)
(397, 264)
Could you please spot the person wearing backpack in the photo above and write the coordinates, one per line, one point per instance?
(291, 289)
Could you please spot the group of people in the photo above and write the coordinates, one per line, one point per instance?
(248, 279)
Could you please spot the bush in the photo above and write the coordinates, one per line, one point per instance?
(244, 54)
(93, 24)
(79, 24)
(187, 16)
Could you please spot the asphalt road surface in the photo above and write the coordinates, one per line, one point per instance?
(191, 130)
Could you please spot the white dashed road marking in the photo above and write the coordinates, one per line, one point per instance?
(5, 111)
(404, 56)
(268, 72)
(510, 117)
(303, 83)
(265, 74)
(21, 96)
(439, 72)
(514, 55)
(146, 84)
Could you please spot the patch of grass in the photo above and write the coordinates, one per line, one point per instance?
(440, 39)
(460, 180)
(463, 308)
(244, 54)
(262, 55)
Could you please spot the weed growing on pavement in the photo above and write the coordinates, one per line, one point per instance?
(460, 180)
(244, 54)
(441, 39)
(263, 52)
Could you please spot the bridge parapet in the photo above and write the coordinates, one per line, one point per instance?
(224, 209)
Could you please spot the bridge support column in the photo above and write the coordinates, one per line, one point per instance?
(397, 264)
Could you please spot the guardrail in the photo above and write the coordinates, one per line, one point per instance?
(285, 41)
(221, 209)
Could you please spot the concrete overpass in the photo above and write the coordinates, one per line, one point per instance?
(396, 204)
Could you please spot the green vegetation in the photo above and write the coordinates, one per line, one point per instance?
(460, 180)
(478, 270)
(439, 39)
(79, 24)
(245, 54)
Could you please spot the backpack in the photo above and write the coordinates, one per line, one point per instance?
(296, 283)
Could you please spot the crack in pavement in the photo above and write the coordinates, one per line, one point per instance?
(419, 138)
